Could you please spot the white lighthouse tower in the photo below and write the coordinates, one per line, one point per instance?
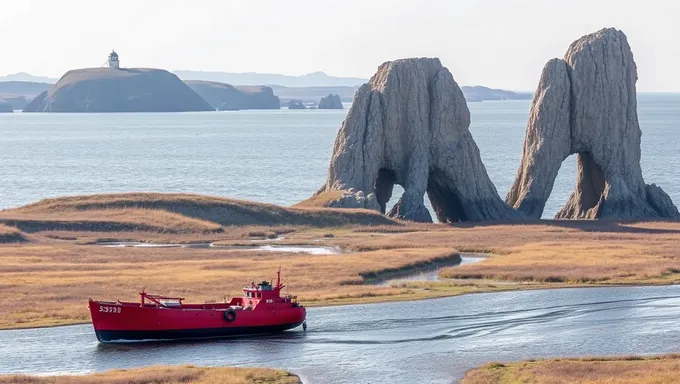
(113, 60)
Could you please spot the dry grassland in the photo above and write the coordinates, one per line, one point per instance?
(48, 283)
(165, 375)
(622, 370)
(47, 280)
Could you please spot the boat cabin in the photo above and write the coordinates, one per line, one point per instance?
(263, 293)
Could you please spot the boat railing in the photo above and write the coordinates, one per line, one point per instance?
(163, 301)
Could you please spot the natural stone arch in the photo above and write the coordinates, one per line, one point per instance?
(412, 120)
(384, 186)
(586, 105)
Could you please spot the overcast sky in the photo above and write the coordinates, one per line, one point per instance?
(499, 43)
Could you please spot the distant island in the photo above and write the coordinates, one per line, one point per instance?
(19, 93)
(330, 102)
(6, 107)
(313, 94)
(223, 96)
(480, 93)
(156, 90)
(296, 104)
(118, 90)
(249, 78)
(27, 78)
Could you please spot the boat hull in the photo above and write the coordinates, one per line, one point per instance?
(121, 336)
(121, 322)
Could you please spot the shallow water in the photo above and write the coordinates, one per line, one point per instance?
(277, 156)
(429, 341)
(432, 274)
(310, 249)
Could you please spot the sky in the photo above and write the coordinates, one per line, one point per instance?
(498, 43)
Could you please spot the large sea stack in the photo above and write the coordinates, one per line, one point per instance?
(409, 126)
(118, 90)
(586, 105)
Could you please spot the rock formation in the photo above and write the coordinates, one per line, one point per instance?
(409, 126)
(118, 90)
(330, 102)
(586, 105)
(227, 97)
(296, 104)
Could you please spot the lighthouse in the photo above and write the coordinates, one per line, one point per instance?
(113, 60)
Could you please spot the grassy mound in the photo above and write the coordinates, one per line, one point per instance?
(11, 235)
(118, 90)
(174, 213)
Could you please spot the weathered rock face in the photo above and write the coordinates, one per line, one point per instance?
(409, 126)
(330, 102)
(296, 104)
(586, 105)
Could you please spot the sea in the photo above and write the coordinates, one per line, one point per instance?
(273, 156)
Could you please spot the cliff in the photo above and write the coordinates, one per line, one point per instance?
(330, 102)
(224, 96)
(118, 90)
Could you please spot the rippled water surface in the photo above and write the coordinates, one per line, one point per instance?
(430, 341)
(272, 156)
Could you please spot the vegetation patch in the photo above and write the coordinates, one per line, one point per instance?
(165, 375)
(10, 235)
(216, 210)
(624, 370)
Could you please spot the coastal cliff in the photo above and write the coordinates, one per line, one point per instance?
(118, 90)
(228, 97)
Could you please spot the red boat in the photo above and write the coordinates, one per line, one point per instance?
(261, 310)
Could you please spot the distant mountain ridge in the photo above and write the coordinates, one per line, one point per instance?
(27, 89)
(27, 77)
(251, 78)
(481, 93)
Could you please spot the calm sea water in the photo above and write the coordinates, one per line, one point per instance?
(430, 341)
(271, 156)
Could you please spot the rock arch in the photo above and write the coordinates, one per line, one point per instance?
(409, 125)
(586, 104)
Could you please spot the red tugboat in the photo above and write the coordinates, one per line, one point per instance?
(261, 310)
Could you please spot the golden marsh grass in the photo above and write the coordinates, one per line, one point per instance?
(616, 370)
(165, 375)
